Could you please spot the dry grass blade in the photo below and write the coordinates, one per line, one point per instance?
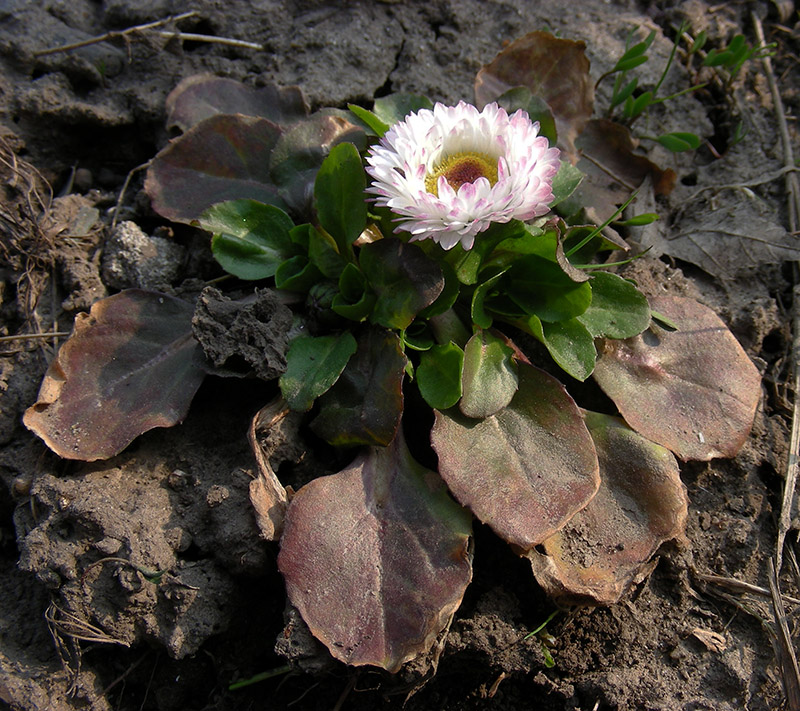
(67, 631)
(784, 649)
(742, 587)
(70, 625)
(115, 34)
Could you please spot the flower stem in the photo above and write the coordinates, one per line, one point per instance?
(449, 327)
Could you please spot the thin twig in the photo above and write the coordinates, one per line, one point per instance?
(211, 39)
(124, 189)
(33, 336)
(116, 34)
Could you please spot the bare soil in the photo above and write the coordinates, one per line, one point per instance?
(141, 582)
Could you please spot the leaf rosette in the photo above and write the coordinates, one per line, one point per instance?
(433, 258)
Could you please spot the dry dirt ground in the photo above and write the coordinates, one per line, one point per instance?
(80, 629)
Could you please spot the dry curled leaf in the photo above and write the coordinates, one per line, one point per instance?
(554, 69)
(267, 495)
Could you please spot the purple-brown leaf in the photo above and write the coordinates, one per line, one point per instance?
(554, 69)
(203, 95)
(224, 157)
(376, 557)
(365, 404)
(526, 470)
(130, 365)
(641, 503)
(693, 390)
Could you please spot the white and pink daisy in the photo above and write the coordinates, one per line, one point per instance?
(451, 172)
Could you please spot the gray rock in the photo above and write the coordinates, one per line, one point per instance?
(134, 259)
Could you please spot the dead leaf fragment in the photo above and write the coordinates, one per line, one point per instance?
(267, 495)
(713, 641)
(554, 69)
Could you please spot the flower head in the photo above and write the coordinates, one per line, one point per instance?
(451, 172)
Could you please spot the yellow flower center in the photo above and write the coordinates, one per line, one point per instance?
(462, 168)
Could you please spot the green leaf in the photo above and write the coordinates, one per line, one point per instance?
(624, 65)
(699, 42)
(297, 274)
(339, 196)
(355, 299)
(313, 366)
(365, 404)
(366, 116)
(479, 315)
(623, 93)
(395, 107)
(419, 336)
(634, 107)
(618, 308)
(637, 50)
(543, 288)
(680, 141)
(439, 375)
(250, 238)
(322, 252)
(467, 263)
(489, 379)
(565, 182)
(569, 343)
(646, 218)
(404, 279)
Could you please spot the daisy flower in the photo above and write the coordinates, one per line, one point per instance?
(449, 173)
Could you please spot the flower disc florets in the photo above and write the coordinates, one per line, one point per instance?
(451, 172)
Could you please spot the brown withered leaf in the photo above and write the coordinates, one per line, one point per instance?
(131, 364)
(641, 503)
(606, 154)
(693, 390)
(554, 69)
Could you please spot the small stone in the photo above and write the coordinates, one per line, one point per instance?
(108, 545)
(134, 259)
(178, 538)
(216, 495)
